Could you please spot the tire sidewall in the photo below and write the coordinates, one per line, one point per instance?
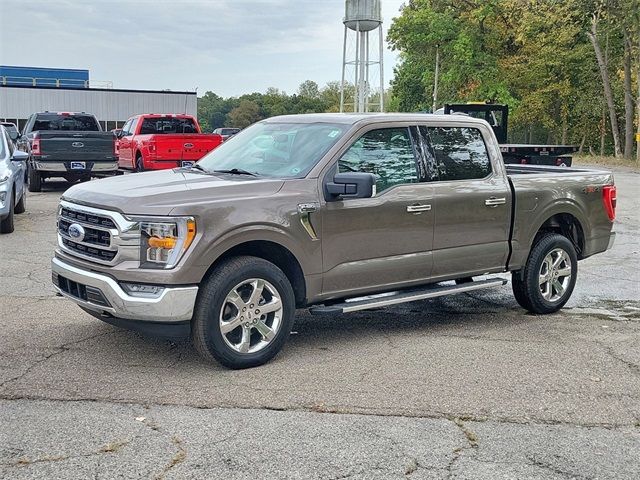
(538, 254)
(211, 302)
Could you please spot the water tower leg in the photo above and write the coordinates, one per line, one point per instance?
(344, 65)
(365, 94)
(356, 95)
(381, 53)
(363, 79)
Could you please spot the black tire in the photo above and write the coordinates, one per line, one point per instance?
(526, 282)
(6, 225)
(21, 206)
(35, 180)
(139, 164)
(205, 329)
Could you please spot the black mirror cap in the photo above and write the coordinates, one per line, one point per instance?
(19, 156)
(350, 185)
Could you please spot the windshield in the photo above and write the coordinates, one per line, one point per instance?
(283, 150)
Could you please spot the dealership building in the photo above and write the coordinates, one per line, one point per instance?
(26, 90)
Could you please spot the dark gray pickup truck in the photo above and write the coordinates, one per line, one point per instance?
(68, 145)
(335, 212)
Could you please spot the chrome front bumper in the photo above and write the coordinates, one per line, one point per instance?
(612, 239)
(105, 295)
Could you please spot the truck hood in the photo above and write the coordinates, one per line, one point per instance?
(165, 191)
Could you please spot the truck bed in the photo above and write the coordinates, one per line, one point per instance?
(516, 169)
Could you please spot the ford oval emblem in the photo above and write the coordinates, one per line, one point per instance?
(77, 144)
(76, 232)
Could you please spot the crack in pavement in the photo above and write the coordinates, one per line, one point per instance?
(471, 444)
(110, 448)
(57, 351)
(344, 410)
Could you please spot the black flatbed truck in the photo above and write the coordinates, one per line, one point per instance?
(514, 153)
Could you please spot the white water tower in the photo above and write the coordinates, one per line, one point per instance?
(362, 57)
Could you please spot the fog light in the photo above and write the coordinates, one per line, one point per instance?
(138, 290)
(3, 196)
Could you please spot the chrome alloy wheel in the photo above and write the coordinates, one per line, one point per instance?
(555, 275)
(251, 315)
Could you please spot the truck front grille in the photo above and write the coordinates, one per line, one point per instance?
(96, 244)
(82, 217)
(86, 251)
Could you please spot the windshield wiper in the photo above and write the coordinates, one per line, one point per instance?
(236, 171)
(195, 166)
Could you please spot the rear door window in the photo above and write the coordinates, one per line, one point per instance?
(54, 121)
(460, 153)
(385, 152)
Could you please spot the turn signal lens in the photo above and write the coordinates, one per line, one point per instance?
(157, 242)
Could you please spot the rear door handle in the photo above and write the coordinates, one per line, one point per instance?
(495, 201)
(418, 208)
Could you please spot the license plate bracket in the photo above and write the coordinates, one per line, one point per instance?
(187, 163)
(78, 165)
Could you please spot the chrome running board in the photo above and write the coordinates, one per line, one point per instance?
(403, 296)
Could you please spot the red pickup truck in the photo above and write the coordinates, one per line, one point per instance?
(158, 141)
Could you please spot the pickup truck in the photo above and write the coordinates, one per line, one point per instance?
(161, 141)
(66, 144)
(332, 212)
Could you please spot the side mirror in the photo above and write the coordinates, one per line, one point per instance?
(351, 185)
(19, 156)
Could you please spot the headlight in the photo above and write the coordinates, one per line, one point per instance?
(163, 241)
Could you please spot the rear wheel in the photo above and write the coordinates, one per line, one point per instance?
(546, 282)
(6, 225)
(244, 313)
(35, 180)
(139, 164)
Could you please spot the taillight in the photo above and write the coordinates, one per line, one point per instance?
(609, 199)
(116, 148)
(35, 145)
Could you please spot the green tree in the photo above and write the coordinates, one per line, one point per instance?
(246, 113)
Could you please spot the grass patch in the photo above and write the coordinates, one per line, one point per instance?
(606, 161)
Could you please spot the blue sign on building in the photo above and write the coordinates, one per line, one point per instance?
(43, 77)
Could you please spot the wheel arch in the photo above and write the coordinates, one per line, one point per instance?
(274, 252)
(567, 225)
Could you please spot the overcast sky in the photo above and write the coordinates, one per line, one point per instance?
(230, 47)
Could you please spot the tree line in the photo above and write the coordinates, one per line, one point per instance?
(566, 68)
(569, 70)
(215, 111)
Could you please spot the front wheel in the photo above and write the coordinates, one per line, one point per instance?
(244, 313)
(21, 206)
(6, 225)
(547, 280)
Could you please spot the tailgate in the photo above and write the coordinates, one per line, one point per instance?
(80, 146)
(194, 147)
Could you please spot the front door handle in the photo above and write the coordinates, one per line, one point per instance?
(495, 201)
(418, 208)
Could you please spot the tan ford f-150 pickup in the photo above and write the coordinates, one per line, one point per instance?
(336, 212)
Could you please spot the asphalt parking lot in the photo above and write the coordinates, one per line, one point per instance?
(461, 387)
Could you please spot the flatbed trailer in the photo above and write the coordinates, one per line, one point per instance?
(521, 153)
(513, 153)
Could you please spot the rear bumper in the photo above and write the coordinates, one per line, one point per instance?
(66, 167)
(166, 164)
(612, 239)
(103, 295)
